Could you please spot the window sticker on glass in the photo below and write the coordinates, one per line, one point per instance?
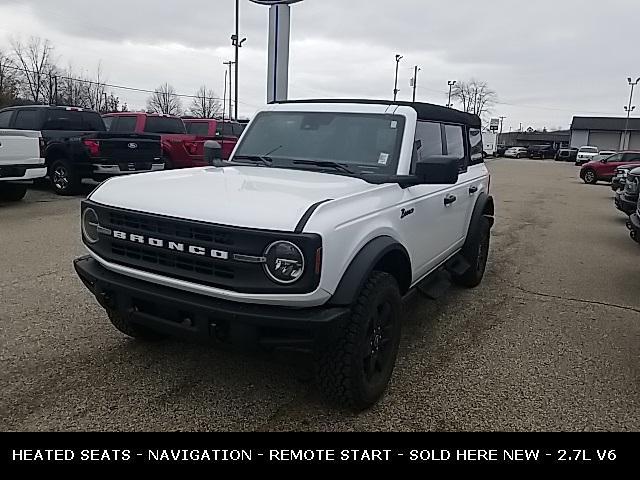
(383, 159)
(394, 124)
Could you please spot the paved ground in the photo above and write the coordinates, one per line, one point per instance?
(550, 340)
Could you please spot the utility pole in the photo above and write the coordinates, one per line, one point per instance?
(415, 81)
(229, 64)
(501, 123)
(106, 104)
(395, 88)
(629, 109)
(55, 86)
(237, 43)
(451, 83)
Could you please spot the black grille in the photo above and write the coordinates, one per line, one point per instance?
(225, 273)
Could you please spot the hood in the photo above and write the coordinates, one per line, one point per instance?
(252, 197)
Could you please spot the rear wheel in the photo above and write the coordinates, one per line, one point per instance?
(12, 192)
(168, 164)
(354, 364)
(476, 253)
(64, 177)
(590, 177)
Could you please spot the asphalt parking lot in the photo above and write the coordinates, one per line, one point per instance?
(549, 341)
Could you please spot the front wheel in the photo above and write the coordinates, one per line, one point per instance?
(355, 362)
(590, 177)
(477, 254)
(64, 178)
(12, 192)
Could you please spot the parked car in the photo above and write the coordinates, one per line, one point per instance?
(541, 151)
(21, 162)
(633, 224)
(586, 154)
(78, 146)
(567, 155)
(500, 150)
(226, 133)
(604, 169)
(275, 249)
(620, 176)
(516, 152)
(179, 149)
(626, 200)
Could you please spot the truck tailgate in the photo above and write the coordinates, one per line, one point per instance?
(128, 147)
(19, 149)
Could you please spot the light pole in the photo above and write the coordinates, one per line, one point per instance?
(415, 81)
(451, 83)
(629, 109)
(501, 123)
(237, 43)
(395, 88)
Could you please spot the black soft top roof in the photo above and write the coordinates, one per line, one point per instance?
(426, 111)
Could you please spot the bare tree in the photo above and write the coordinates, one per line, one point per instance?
(206, 104)
(8, 80)
(35, 59)
(164, 100)
(475, 96)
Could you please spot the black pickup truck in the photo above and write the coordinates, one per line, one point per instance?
(77, 145)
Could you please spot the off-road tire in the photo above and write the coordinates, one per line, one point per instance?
(341, 357)
(12, 192)
(64, 177)
(132, 330)
(476, 253)
(590, 177)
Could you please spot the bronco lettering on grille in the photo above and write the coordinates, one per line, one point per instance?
(175, 246)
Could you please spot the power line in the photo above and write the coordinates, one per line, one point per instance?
(120, 87)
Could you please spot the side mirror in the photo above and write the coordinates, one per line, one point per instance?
(438, 170)
(213, 153)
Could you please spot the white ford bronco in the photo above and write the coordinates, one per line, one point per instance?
(327, 214)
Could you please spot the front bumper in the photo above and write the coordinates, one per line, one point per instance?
(198, 317)
(625, 204)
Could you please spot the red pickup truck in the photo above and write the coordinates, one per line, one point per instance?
(179, 149)
(226, 133)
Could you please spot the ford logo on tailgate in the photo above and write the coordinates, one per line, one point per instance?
(133, 146)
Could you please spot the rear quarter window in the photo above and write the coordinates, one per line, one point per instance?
(26, 120)
(197, 128)
(5, 118)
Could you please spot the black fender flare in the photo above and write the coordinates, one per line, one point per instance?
(363, 265)
(484, 208)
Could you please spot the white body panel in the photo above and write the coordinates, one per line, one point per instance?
(276, 199)
(21, 147)
(490, 142)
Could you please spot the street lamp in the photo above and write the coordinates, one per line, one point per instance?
(395, 88)
(451, 83)
(237, 43)
(629, 109)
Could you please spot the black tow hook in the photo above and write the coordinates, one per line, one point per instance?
(105, 299)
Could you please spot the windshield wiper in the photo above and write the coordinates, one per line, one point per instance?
(325, 164)
(266, 161)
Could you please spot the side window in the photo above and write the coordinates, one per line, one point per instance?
(428, 142)
(455, 144)
(631, 157)
(108, 122)
(5, 118)
(475, 142)
(614, 158)
(59, 119)
(226, 129)
(92, 121)
(26, 120)
(127, 124)
(238, 128)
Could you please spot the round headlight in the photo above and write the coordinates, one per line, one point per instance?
(90, 225)
(284, 262)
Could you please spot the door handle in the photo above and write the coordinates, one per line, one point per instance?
(473, 190)
(449, 199)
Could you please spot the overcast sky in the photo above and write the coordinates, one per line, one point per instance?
(546, 59)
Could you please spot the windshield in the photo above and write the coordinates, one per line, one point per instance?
(164, 125)
(366, 143)
(588, 150)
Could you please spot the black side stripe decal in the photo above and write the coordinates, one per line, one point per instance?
(307, 215)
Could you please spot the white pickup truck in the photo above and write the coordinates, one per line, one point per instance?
(20, 162)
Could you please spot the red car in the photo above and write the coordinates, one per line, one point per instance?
(179, 149)
(605, 169)
(226, 133)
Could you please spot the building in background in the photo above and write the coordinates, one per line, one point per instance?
(606, 133)
(556, 139)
